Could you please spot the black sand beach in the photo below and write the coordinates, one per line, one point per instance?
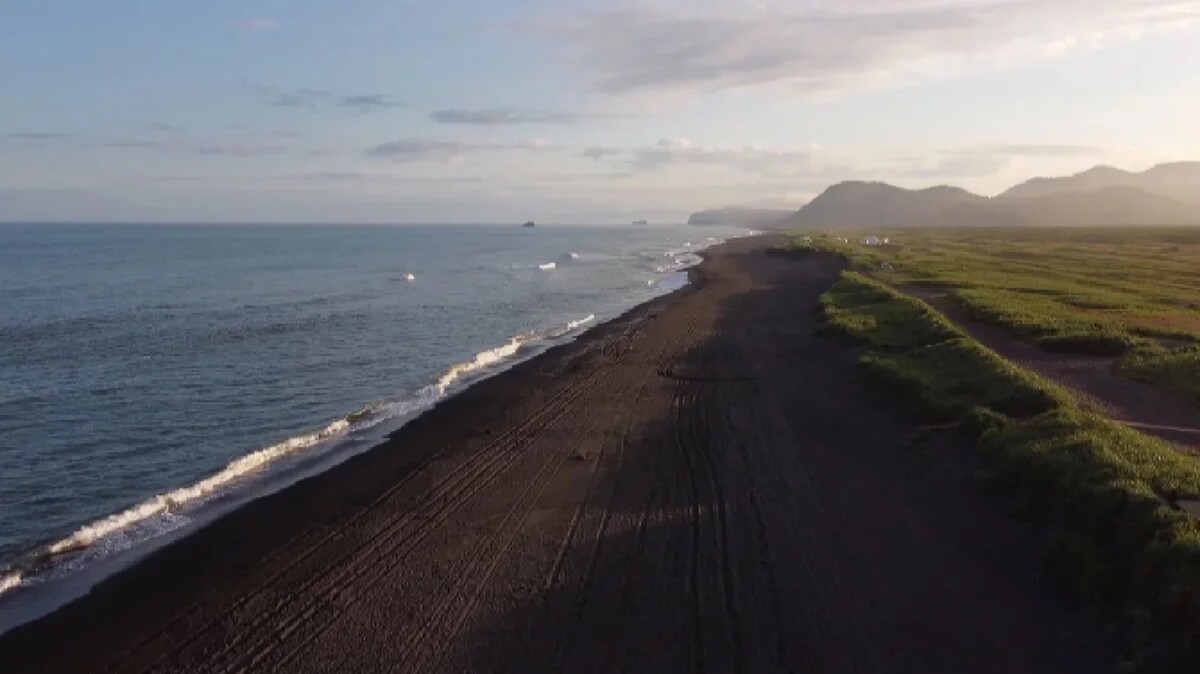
(701, 485)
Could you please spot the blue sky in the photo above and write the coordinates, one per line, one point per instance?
(569, 111)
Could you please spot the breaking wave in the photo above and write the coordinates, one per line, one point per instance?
(173, 500)
(679, 262)
(10, 580)
(574, 325)
(482, 360)
(167, 512)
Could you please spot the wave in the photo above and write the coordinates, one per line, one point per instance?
(574, 325)
(547, 266)
(163, 513)
(679, 262)
(10, 580)
(482, 360)
(174, 500)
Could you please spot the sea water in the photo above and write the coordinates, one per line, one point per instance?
(151, 372)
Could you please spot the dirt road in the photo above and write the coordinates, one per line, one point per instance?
(1091, 378)
(701, 486)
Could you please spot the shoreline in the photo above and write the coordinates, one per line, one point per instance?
(689, 482)
(50, 587)
(156, 554)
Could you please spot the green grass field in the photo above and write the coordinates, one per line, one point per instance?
(1109, 492)
(1130, 293)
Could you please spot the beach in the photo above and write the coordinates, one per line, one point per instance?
(702, 484)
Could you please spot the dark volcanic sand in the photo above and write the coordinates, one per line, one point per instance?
(701, 485)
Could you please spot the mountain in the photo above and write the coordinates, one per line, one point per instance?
(1168, 194)
(859, 204)
(754, 217)
(1179, 181)
(1119, 205)
(1096, 178)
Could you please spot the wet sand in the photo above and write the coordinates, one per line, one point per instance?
(701, 485)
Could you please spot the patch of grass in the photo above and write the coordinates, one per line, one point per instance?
(1090, 343)
(872, 313)
(918, 350)
(1106, 292)
(1108, 490)
(1176, 370)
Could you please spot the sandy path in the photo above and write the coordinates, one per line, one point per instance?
(1091, 378)
(699, 486)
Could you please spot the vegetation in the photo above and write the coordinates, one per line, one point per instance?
(1129, 293)
(1111, 492)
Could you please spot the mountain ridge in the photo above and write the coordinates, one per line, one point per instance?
(1165, 194)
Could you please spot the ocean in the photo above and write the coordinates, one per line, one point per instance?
(151, 375)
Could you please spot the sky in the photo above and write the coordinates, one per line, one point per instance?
(572, 111)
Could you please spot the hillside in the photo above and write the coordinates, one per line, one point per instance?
(1179, 181)
(756, 217)
(1168, 194)
(1118, 205)
(858, 204)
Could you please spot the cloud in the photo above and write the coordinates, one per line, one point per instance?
(705, 46)
(413, 149)
(324, 176)
(333, 177)
(367, 102)
(300, 98)
(750, 158)
(987, 160)
(318, 99)
(212, 149)
(1048, 150)
(256, 24)
(513, 116)
(39, 135)
(598, 152)
(959, 165)
(356, 176)
(163, 127)
(417, 149)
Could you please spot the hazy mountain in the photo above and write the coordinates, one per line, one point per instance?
(1179, 181)
(756, 217)
(1119, 205)
(859, 204)
(1168, 194)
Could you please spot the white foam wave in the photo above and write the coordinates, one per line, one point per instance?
(573, 325)
(547, 266)
(10, 581)
(163, 503)
(681, 262)
(481, 360)
(162, 513)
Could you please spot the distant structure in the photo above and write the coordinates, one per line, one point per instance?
(640, 222)
(528, 224)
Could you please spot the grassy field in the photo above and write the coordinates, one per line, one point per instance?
(1108, 491)
(1129, 293)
